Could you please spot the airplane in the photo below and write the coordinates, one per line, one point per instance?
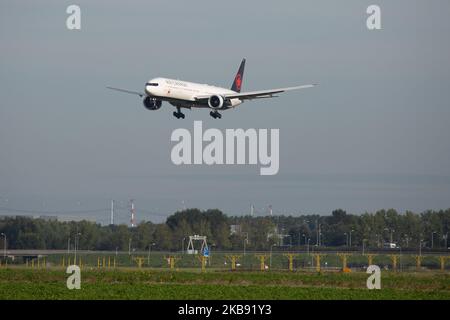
(183, 94)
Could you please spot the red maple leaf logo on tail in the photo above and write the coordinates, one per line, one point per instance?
(238, 81)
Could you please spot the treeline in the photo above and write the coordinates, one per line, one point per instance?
(407, 230)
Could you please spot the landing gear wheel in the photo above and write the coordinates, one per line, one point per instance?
(178, 114)
(215, 114)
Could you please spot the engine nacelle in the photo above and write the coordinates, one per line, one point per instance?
(215, 102)
(152, 103)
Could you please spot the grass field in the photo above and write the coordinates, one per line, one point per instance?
(21, 283)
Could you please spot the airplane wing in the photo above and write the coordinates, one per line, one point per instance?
(140, 94)
(264, 93)
(257, 94)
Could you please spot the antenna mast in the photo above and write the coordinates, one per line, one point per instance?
(133, 215)
(112, 212)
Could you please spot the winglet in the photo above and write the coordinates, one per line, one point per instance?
(237, 83)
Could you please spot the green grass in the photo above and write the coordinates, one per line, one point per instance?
(20, 283)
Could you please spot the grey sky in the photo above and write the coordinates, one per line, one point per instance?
(374, 134)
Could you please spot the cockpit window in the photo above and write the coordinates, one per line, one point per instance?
(155, 84)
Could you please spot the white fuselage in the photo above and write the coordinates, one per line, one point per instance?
(184, 91)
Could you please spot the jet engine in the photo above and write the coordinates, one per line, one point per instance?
(152, 103)
(215, 102)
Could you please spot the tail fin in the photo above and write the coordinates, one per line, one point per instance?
(237, 83)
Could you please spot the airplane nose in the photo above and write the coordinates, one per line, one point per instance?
(151, 87)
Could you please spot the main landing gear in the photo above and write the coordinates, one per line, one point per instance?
(215, 115)
(178, 114)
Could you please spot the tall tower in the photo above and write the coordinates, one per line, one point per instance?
(252, 209)
(133, 214)
(270, 210)
(112, 212)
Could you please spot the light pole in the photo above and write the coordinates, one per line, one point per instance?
(350, 241)
(378, 240)
(290, 240)
(445, 237)
(245, 240)
(68, 246)
(129, 247)
(273, 245)
(305, 223)
(149, 250)
(420, 247)
(432, 239)
(346, 239)
(77, 239)
(319, 233)
(75, 249)
(182, 245)
(4, 245)
(307, 247)
(213, 245)
(392, 234)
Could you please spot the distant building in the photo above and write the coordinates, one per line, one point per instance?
(276, 236)
(4, 217)
(235, 229)
(49, 218)
(64, 218)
